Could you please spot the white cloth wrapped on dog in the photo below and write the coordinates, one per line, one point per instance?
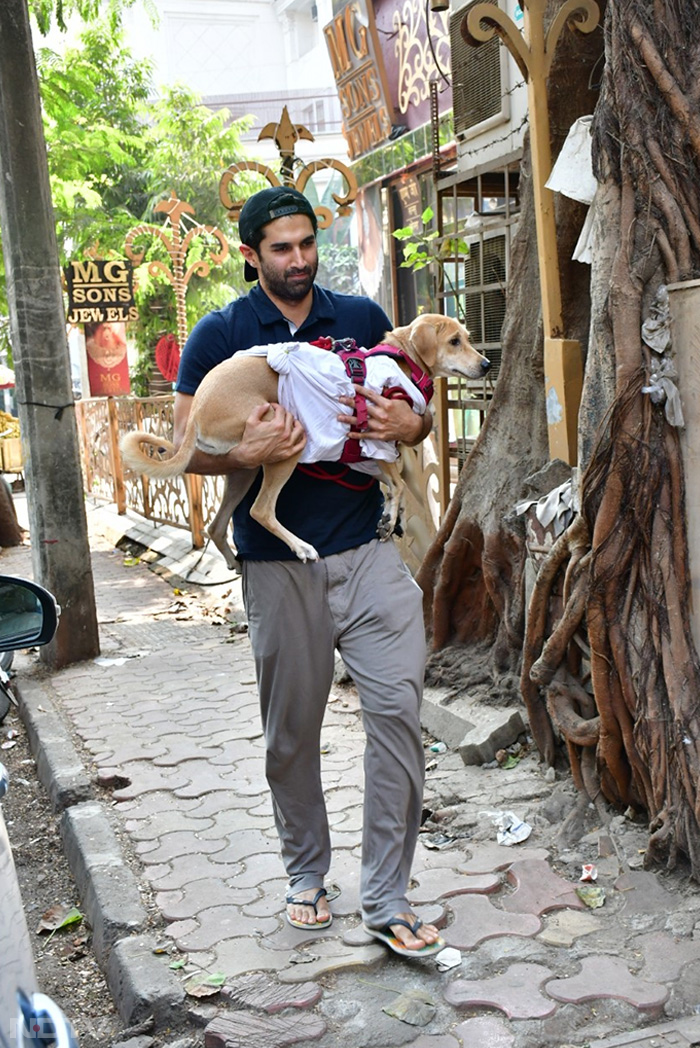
(311, 381)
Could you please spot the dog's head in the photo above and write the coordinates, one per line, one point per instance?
(441, 346)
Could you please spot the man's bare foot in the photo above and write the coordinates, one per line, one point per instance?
(406, 934)
(309, 909)
(424, 934)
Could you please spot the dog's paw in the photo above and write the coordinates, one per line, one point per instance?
(305, 552)
(385, 527)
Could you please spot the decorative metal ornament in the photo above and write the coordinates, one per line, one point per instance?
(177, 246)
(533, 51)
(293, 171)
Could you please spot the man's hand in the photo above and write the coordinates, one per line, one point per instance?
(387, 419)
(265, 439)
(269, 438)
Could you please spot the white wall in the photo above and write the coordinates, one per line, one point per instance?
(214, 46)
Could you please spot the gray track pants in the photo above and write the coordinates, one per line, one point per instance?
(364, 602)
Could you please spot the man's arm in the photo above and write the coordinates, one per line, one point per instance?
(271, 434)
(388, 419)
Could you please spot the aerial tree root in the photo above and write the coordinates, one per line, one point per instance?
(632, 735)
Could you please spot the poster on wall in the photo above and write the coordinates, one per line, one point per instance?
(108, 367)
(368, 211)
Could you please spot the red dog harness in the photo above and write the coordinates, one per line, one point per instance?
(354, 360)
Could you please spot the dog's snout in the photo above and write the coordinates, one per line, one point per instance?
(485, 365)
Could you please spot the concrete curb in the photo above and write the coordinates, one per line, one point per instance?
(139, 981)
(60, 769)
(108, 889)
(142, 984)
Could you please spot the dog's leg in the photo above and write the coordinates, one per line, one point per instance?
(394, 503)
(237, 485)
(275, 476)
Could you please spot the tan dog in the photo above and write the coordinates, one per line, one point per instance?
(229, 392)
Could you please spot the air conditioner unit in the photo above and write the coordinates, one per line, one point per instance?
(479, 80)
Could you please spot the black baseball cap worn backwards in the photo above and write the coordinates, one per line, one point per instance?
(266, 206)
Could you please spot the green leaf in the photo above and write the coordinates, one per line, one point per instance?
(403, 234)
(427, 215)
(204, 985)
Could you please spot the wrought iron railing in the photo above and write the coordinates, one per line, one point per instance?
(190, 501)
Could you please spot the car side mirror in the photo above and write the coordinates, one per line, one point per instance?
(28, 614)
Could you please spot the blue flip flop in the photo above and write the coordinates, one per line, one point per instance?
(316, 925)
(386, 935)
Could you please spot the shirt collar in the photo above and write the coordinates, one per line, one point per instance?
(322, 307)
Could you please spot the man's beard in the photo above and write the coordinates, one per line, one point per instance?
(284, 287)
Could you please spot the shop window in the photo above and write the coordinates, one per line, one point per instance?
(482, 212)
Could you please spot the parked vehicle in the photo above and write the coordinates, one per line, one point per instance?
(28, 617)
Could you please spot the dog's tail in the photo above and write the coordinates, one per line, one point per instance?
(140, 461)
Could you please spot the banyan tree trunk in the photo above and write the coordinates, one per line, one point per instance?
(633, 724)
(472, 576)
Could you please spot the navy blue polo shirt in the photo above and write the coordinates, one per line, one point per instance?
(338, 509)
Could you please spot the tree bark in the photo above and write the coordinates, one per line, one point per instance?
(57, 521)
(644, 670)
(472, 576)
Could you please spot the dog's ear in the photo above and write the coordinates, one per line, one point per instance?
(423, 338)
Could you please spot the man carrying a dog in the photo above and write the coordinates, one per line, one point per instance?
(358, 597)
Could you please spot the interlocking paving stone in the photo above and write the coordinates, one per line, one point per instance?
(346, 821)
(515, 992)
(488, 858)
(444, 882)
(235, 820)
(185, 868)
(345, 873)
(434, 1040)
(664, 955)
(210, 926)
(340, 839)
(682, 1033)
(482, 1031)
(243, 845)
(147, 779)
(258, 868)
(602, 976)
(154, 804)
(245, 781)
(538, 889)
(643, 894)
(264, 994)
(186, 749)
(196, 895)
(341, 798)
(564, 927)
(180, 842)
(476, 919)
(241, 1030)
(332, 956)
(270, 900)
(428, 858)
(242, 955)
(285, 937)
(173, 820)
(236, 749)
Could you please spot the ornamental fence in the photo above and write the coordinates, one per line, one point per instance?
(191, 501)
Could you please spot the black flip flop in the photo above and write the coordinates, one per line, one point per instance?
(317, 925)
(386, 935)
